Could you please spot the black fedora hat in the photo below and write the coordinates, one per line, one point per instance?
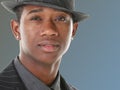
(64, 5)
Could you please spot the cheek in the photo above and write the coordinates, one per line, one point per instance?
(66, 39)
(27, 34)
(28, 29)
(67, 32)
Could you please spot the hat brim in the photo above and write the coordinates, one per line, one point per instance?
(10, 5)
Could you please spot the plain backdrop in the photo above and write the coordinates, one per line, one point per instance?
(93, 60)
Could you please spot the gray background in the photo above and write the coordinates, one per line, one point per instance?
(93, 60)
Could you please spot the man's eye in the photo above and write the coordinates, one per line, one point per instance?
(61, 18)
(36, 18)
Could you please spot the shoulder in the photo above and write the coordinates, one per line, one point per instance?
(9, 79)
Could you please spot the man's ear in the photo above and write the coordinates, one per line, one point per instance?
(15, 29)
(75, 26)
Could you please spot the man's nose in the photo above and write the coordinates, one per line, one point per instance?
(49, 29)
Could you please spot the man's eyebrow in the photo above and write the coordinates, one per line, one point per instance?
(35, 11)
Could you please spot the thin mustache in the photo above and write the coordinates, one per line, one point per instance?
(49, 41)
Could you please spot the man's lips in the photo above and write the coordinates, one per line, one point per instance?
(49, 46)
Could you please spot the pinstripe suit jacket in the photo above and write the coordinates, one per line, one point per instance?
(10, 80)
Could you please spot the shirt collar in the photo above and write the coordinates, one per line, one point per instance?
(31, 82)
(56, 84)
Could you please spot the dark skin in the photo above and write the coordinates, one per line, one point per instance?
(44, 36)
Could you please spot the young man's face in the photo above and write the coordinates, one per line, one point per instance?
(44, 33)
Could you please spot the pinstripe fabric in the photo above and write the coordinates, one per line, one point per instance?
(10, 80)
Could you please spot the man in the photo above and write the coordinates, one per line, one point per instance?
(44, 29)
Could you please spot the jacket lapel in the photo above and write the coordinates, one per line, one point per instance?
(64, 85)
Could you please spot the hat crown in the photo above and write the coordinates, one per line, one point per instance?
(68, 4)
